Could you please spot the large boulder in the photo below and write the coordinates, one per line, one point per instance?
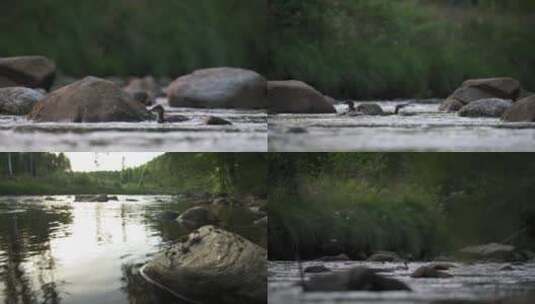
(219, 88)
(89, 100)
(356, 279)
(491, 107)
(212, 266)
(489, 252)
(292, 96)
(18, 100)
(521, 111)
(196, 217)
(476, 89)
(429, 272)
(146, 85)
(27, 71)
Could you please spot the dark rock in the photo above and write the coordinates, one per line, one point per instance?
(49, 198)
(18, 100)
(370, 109)
(297, 130)
(356, 279)
(442, 266)
(450, 105)
(222, 201)
(522, 111)
(335, 258)
(27, 71)
(219, 88)
(316, 269)
(476, 89)
(197, 217)
(168, 216)
(492, 107)
(429, 272)
(98, 198)
(142, 97)
(507, 268)
(292, 96)
(212, 266)
(216, 121)
(89, 100)
(385, 256)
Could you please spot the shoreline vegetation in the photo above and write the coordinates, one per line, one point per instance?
(364, 49)
(171, 173)
(419, 206)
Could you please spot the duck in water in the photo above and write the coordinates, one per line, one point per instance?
(371, 109)
(160, 112)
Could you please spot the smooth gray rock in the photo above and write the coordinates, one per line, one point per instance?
(219, 88)
(18, 100)
(213, 266)
(491, 107)
(293, 96)
(522, 111)
(27, 71)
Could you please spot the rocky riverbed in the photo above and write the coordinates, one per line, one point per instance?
(419, 127)
(476, 281)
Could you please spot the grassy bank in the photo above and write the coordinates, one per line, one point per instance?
(419, 205)
(346, 48)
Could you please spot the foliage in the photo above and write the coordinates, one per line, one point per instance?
(420, 205)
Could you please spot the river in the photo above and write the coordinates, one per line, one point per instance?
(420, 127)
(53, 250)
(248, 133)
(469, 282)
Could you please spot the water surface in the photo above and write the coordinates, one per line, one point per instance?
(470, 282)
(53, 250)
(248, 133)
(420, 127)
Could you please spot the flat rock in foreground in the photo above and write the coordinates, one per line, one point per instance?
(227, 88)
(27, 71)
(293, 96)
(212, 266)
(89, 100)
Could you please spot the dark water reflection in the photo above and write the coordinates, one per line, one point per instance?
(56, 251)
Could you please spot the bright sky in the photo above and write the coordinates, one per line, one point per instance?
(108, 161)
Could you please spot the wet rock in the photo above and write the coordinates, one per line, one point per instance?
(492, 251)
(143, 98)
(49, 198)
(522, 111)
(222, 201)
(219, 88)
(146, 85)
(197, 217)
(216, 121)
(429, 272)
(316, 269)
(335, 258)
(370, 109)
(89, 100)
(450, 105)
(492, 107)
(168, 216)
(507, 268)
(442, 266)
(27, 71)
(212, 266)
(293, 96)
(18, 100)
(297, 130)
(98, 198)
(385, 256)
(476, 89)
(356, 279)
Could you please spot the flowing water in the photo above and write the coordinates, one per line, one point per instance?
(53, 250)
(248, 133)
(469, 282)
(420, 127)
